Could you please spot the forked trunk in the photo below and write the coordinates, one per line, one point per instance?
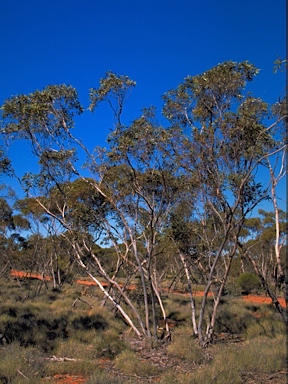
(192, 300)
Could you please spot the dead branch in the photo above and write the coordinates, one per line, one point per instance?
(83, 301)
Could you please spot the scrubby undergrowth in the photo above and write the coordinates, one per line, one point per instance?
(69, 332)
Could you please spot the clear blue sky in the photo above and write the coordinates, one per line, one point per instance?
(155, 42)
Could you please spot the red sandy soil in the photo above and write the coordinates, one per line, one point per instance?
(69, 379)
(251, 298)
(262, 299)
(29, 275)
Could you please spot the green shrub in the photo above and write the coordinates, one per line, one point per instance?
(38, 327)
(248, 282)
(87, 322)
(32, 324)
(224, 368)
(232, 288)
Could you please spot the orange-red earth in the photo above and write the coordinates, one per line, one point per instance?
(251, 298)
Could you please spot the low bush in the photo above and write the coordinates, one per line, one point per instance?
(73, 349)
(233, 288)
(248, 282)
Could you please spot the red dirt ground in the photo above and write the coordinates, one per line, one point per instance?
(251, 298)
(69, 379)
(262, 299)
(30, 275)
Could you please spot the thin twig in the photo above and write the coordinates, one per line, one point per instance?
(22, 374)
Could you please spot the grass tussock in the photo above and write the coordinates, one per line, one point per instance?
(265, 326)
(172, 377)
(229, 363)
(99, 376)
(73, 367)
(19, 365)
(186, 347)
(131, 364)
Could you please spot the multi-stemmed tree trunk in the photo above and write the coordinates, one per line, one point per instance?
(227, 145)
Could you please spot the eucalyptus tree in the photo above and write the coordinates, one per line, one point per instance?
(45, 119)
(142, 186)
(124, 201)
(225, 142)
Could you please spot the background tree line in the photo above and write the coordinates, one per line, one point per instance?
(174, 202)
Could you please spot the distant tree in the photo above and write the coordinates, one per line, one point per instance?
(264, 251)
(11, 240)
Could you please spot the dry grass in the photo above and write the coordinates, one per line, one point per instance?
(130, 364)
(21, 365)
(185, 347)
